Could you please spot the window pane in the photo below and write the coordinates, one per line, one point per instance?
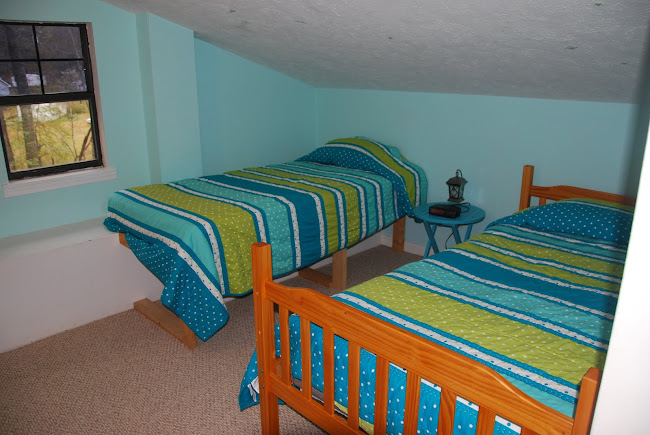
(63, 76)
(16, 42)
(19, 78)
(58, 42)
(48, 134)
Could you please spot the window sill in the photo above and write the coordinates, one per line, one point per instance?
(58, 181)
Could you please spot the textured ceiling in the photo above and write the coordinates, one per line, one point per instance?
(560, 49)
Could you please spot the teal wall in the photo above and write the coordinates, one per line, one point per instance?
(117, 56)
(250, 115)
(489, 138)
(147, 81)
(171, 103)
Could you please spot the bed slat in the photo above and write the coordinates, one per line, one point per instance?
(381, 394)
(328, 371)
(447, 411)
(305, 345)
(485, 423)
(284, 344)
(353, 384)
(412, 405)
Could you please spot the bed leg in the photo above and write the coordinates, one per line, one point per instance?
(167, 320)
(338, 279)
(339, 270)
(399, 230)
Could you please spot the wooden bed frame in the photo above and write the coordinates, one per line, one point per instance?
(454, 373)
(172, 324)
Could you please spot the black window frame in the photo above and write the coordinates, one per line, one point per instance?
(87, 95)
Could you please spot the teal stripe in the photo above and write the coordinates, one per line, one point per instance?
(155, 217)
(539, 261)
(339, 203)
(379, 188)
(562, 245)
(362, 194)
(276, 214)
(514, 311)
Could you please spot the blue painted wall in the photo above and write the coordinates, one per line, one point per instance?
(147, 81)
(489, 138)
(117, 56)
(250, 115)
(171, 104)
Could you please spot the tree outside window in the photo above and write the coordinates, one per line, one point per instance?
(48, 114)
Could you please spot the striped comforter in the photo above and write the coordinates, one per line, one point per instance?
(195, 234)
(533, 297)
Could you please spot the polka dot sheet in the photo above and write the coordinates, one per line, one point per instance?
(536, 305)
(595, 219)
(195, 234)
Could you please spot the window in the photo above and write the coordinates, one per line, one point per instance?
(48, 111)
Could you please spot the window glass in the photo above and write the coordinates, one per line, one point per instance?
(19, 78)
(48, 134)
(17, 42)
(58, 42)
(47, 102)
(63, 76)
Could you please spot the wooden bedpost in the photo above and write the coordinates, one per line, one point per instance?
(586, 401)
(264, 334)
(526, 182)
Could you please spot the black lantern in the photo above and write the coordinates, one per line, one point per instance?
(456, 186)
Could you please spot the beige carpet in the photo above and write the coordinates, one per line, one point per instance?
(124, 375)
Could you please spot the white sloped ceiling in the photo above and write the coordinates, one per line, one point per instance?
(561, 49)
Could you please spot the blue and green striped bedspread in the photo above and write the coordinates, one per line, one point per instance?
(195, 234)
(533, 297)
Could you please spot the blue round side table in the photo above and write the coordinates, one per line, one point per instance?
(432, 222)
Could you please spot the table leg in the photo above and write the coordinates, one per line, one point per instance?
(431, 232)
(468, 233)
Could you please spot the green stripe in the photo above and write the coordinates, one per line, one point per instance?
(386, 158)
(575, 260)
(505, 336)
(551, 271)
(327, 198)
(236, 224)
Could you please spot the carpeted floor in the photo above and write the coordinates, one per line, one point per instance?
(124, 375)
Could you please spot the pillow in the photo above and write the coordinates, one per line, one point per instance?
(601, 220)
(409, 180)
(391, 149)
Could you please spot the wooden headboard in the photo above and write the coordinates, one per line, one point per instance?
(556, 193)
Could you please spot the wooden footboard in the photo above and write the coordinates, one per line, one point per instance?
(422, 359)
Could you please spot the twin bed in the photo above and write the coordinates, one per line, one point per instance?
(195, 234)
(501, 334)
